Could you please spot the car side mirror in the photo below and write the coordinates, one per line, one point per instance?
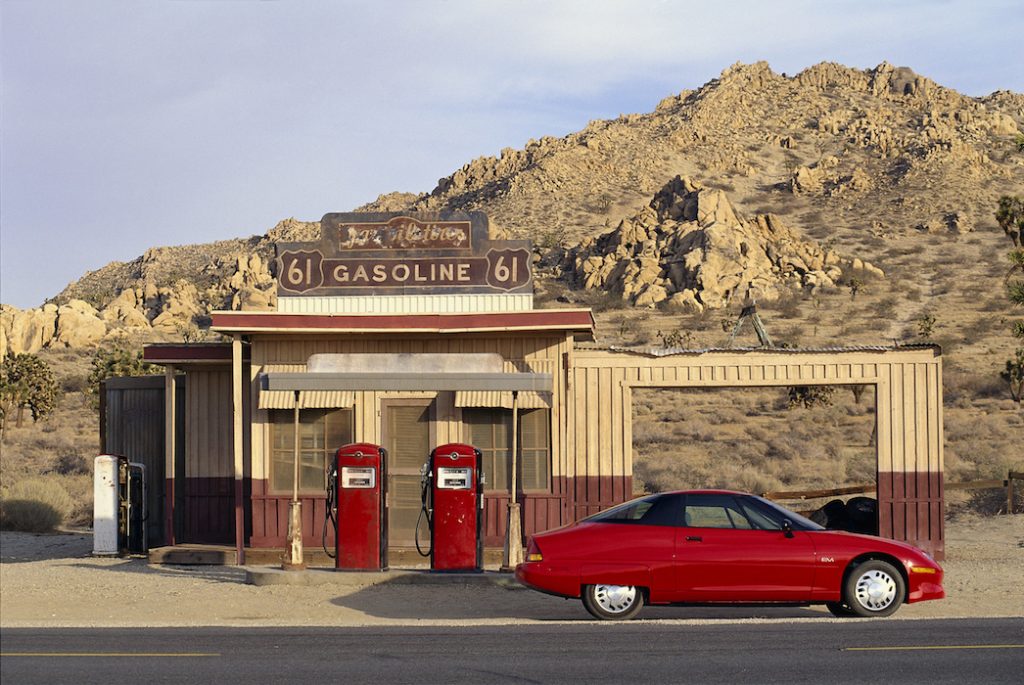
(787, 528)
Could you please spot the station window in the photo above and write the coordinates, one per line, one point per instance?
(321, 433)
(490, 430)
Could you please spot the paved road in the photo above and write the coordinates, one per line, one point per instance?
(932, 651)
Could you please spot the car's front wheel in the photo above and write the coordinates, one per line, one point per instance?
(613, 602)
(873, 588)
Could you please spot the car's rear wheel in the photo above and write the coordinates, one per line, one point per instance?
(873, 588)
(613, 602)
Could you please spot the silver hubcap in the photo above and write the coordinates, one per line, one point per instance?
(876, 590)
(615, 598)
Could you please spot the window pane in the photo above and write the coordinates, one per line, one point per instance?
(316, 447)
(490, 430)
(496, 470)
(535, 453)
(339, 429)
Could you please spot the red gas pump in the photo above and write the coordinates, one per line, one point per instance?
(453, 500)
(361, 515)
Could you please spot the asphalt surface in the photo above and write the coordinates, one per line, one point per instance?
(854, 651)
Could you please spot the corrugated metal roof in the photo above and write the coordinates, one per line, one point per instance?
(326, 399)
(491, 398)
(308, 399)
(277, 399)
(679, 351)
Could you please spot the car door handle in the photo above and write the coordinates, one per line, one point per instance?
(694, 538)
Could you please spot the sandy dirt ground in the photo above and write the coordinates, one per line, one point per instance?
(53, 581)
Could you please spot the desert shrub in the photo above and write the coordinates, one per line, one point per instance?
(961, 387)
(73, 462)
(37, 505)
(74, 383)
(809, 396)
(647, 432)
(993, 501)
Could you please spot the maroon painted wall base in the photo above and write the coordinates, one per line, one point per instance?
(910, 508)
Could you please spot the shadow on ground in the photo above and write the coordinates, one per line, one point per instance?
(219, 574)
(20, 548)
(460, 602)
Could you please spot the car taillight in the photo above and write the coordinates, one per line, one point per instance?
(533, 552)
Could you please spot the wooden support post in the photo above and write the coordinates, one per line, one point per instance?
(237, 446)
(170, 448)
(293, 543)
(512, 554)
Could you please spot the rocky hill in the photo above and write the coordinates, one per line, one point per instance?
(840, 169)
(690, 249)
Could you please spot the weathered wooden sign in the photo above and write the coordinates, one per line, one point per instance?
(392, 253)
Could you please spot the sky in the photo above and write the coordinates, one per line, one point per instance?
(130, 125)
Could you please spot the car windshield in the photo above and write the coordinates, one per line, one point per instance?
(796, 519)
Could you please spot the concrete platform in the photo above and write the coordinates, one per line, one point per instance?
(224, 555)
(403, 576)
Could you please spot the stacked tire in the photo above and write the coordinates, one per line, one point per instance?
(859, 515)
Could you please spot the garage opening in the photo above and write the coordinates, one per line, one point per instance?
(765, 440)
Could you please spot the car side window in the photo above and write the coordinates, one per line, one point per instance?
(656, 510)
(763, 519)
(715, 511)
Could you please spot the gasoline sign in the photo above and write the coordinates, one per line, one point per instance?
(367, 254)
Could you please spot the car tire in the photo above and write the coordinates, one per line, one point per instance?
(873, 588)
(839, 610)
(613, 602)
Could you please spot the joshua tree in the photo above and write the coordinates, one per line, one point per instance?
(26, 381)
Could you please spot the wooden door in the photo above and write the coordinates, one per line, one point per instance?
(408, 439)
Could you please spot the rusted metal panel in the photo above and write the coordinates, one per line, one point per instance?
(133, 427)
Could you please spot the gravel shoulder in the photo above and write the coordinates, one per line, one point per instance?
(53, 581)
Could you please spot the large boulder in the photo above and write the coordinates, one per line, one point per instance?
(180, 306)
(127, 309)
(78, 325)
(30, 330)
(691, 242)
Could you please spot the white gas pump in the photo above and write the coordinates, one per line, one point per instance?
(119, 506)
(105, 505)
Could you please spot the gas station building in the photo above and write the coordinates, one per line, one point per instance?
(412, 331)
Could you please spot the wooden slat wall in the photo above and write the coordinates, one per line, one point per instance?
(534, 353)
(209, 458)
(908, 410)
(208, 452)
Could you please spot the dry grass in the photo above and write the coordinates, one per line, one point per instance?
(59, 447)
(35, 505)
(749, 440)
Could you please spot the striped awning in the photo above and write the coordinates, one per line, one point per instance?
(308, 399)
(528, 399)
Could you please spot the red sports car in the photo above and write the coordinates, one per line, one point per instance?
(721, 547)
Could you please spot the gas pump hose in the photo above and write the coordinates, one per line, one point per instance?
(329, 517)
(416, 533)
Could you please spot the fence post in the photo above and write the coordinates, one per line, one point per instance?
(1009, 492)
